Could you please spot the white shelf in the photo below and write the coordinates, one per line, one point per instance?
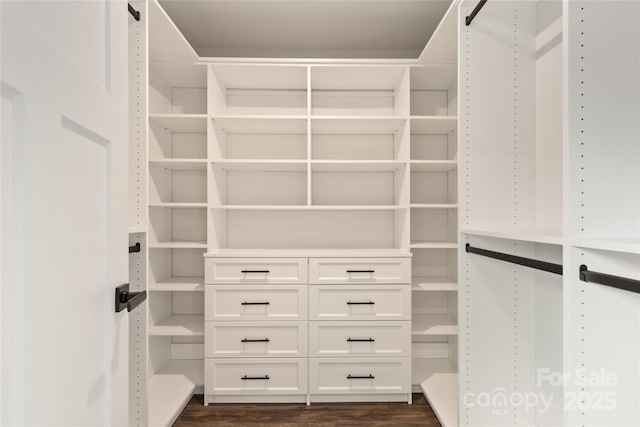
(535, 236)
(309, 253)
(178, 205)
(354, 78)
(433, 125)
(192, 370)
(434, 206)
(433, 324)
(184, 284)
(423, 368)
(442, 47)
(184, 123)
(181, 164)
(433, 245)
(179, 245)
(356, 166)
(441, 391)
(309, 208)
(356, 125)
(137, 230)
(628, 245)
(264, 77)
(261, 124)
(168, 396)
(180, 325)
(419, 284)
(260, 165)
(182, 75)
(433, 165)
(166, 42)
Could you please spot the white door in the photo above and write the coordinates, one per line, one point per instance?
(64, 355)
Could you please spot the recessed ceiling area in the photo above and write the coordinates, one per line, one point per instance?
(307, 28)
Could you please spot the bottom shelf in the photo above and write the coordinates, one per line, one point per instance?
(171, 388)
(440, 387)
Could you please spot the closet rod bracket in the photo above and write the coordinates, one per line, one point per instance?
(473, 14)
(133, 12)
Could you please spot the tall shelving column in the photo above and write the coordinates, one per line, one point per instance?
(177, 212)
(512, 157)
(434, 220)
(138, 71)
(603, 209)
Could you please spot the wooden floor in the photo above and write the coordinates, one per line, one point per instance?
(315, 415)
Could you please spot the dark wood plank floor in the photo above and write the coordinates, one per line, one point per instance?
(315, 415)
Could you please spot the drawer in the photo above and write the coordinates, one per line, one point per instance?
(353, 376)
(357, 302)
(255, 270)
(360, 339)
(256, 339)
(275, 302)
(255, 376)
(359, 270)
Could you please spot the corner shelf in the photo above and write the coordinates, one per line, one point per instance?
(178, 284)
(433, 324)
(179, 325)
(180, 164)
(428, 284)
(183, 123)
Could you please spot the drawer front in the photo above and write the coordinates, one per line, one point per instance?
(255, 376)
(359, 270)
(256, 339)
(276, 302)
(353, 376)
(357, 302)
(360, 339)
(255, 270)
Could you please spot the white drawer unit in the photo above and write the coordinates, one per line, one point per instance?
(359, 270)
(358, 302)
(256, 339)
(255, 376)
(360, 376)
(256, 270)
(359, 339)
(274, 302)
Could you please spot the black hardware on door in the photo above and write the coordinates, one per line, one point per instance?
(266, 377)
(128, 300)
(361, 271)
(360, 340)
(134, 13)
(134, 248)
(360, 303)
(249, 340)
(255, 303)
(609, 280)
(360, 377)
(254, 271)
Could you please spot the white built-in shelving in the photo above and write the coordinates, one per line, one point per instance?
(433, 208)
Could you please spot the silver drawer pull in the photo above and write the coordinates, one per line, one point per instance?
(360, 303)
(360, 340)
(250, 340)
(254, 303)
(360, 377)
(245, 378)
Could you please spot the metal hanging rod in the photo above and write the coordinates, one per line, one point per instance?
(527, 262)
(609, 280)
(469, 18)
(134, 12)
(134, 248)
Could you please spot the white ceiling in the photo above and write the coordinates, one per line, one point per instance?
(307, 28)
